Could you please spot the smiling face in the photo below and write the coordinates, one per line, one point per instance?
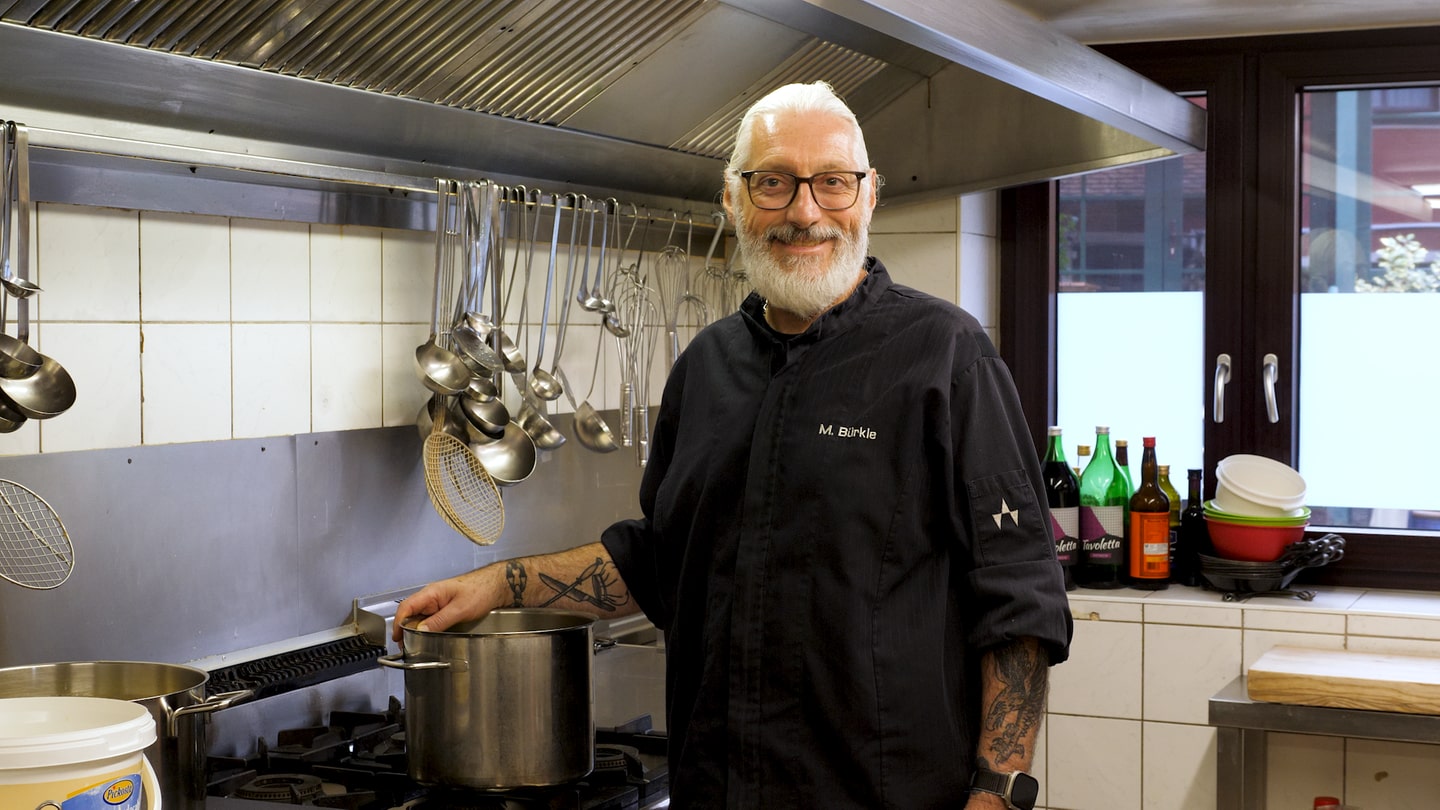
(802, 258)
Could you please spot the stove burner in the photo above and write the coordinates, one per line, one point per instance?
(609, 758)
(283, 788)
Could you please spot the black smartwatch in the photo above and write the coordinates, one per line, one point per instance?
(1020, 790)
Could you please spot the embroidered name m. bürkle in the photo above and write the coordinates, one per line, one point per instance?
(846, 432)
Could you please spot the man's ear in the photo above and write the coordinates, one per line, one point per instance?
(727, 202)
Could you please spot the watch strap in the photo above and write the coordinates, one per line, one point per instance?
(1000, 784)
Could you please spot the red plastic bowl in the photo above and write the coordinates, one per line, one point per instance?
(1240, 541)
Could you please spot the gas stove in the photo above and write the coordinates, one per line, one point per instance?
(357, 761)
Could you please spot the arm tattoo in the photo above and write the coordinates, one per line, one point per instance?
(516, 577)
(1022, 675)
(594, 585)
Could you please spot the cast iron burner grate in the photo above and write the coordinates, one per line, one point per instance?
(296, 669)
(294, 788)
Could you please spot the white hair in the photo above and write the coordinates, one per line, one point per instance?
(791, 98)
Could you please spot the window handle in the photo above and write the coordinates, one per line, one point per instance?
(1270, 373)
(1222, 376)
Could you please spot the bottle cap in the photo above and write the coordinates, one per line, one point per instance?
(1327, 803)
(1164, 469)
(1149, 441)
(1083, 449)
(1054, 431)
(1121, 443)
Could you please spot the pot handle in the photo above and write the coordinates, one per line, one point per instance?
(213, 703)
(397, 661)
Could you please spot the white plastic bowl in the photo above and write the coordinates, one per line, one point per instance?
(1255, 485)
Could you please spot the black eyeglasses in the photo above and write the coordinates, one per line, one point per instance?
(772, 191)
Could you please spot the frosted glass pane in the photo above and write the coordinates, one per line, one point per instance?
(1131, 361)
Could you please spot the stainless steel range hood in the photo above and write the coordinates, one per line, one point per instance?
(632, 96)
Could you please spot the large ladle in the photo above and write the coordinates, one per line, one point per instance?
(542, 382)
(16, 358)
(590, 429)
(610, 320)
(49, 389)
(440, 369)
(512, 358)
(478, 249)
(587, 297)
(16, 174)
(530, 417)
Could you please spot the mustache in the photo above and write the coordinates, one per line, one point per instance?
(788, 233)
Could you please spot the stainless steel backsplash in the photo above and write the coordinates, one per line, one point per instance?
(192, 550)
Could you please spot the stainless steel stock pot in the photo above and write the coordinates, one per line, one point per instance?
(505, 701)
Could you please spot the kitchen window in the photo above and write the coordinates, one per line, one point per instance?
(1317, 199)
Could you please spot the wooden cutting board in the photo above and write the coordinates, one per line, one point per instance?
(1347, 679)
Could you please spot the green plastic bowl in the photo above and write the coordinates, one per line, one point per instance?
(1298, 517)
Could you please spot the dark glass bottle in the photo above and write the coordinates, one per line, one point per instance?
(1062, 495)
(1194, 538)
(1122, 461)
(1148, 542)
(1175, 507)
(1102, 519)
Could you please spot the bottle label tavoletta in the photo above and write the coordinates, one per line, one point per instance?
(1102, 530)
(1065, 526)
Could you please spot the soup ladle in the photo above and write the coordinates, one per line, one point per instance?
(542, 382)
(16, 176)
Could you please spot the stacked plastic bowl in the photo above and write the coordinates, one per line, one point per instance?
(1259, 508)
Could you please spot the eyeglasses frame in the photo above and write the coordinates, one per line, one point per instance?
(799, 181)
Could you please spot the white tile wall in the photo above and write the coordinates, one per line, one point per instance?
(1192, 644)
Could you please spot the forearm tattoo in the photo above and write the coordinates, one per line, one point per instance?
(595, 585)
(1015, 713)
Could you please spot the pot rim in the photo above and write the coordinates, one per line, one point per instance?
(473, 628)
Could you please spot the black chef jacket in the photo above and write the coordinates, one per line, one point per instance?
(836, 525)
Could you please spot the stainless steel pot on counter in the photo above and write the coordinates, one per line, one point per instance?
(173, 694)
(505, 701)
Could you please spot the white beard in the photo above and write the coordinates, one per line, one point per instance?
(808, 285)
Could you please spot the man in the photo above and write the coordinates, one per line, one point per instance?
(843, 535)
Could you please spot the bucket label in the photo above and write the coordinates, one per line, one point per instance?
(123, 793)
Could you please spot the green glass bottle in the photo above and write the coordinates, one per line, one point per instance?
(1103, 498)
(1175, 506)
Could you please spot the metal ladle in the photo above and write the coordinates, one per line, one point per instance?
(590, 429)
(47, 390)
(478, 223)
(542, 382)
(440, 369)
(17, 176)
(586, 297)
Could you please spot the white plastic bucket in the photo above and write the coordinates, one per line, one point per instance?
(76, 753)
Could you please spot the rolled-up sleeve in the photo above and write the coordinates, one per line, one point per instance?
(1017, 587)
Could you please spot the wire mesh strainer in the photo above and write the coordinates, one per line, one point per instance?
(459, 487)
(35, 550)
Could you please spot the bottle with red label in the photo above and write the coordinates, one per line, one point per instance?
(1148, 541)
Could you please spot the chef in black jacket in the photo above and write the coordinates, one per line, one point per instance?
(844, 536)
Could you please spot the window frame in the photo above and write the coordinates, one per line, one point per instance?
(1252, 86)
